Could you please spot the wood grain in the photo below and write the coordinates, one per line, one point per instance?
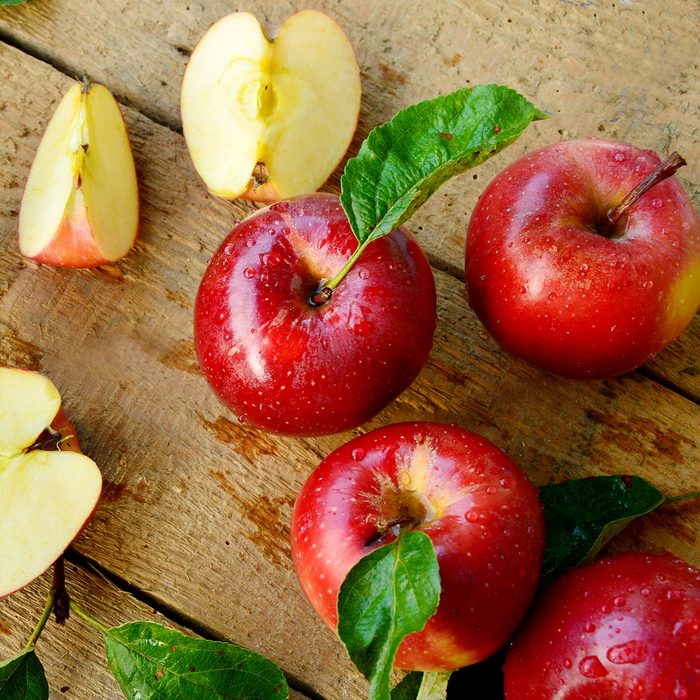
(73, 655)
(627, 71)
(196, 506)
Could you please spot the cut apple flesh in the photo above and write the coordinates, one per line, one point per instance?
(46, 497)
(80, 205)
(45, 500)
(270, 120)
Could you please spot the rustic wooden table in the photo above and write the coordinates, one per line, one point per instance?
(193, 526)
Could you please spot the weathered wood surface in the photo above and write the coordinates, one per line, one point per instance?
(196, 508)
(73, 655)
(627, 71)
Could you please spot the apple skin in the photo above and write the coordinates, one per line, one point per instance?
(556, 293)
(625, 627)
(289, 367)
(477, 506)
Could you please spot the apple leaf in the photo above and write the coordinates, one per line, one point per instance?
(401, 163)
(387, 595)
(22, 678)
(151, 661)
(408, 687)
(583, 515)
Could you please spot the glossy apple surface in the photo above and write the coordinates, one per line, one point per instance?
(290, 367)
(554, 285)
(622, 628)
(477, 506)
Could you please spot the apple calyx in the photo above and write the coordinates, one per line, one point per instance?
(667, 168)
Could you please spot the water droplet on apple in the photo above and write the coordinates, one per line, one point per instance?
(364, 274)
(285, 231)
(510, 244)
(619, 601)
(228, 249)
(568, 663)
(619, 157)
(645, 592)
(590, 667)
(507, 483)
(250, 243)
(590, 627)
(657, 203)
(271, 231)
(679, 690)
(551, 296)
(249, 273)
(523, 290)
(583, 268)
(356, 318)
(471, 516)
(242, 419)
(491, 490)
(647, 284)
(358, 454)
(633, 652)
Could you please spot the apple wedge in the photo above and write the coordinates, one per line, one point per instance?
(270, 120)
(80, 207)
(46, 495)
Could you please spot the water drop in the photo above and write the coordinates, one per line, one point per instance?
(590, 667)
(364, 274)
(471, 516)
(679, 690)
(657, 203)
(250, 243)
(619, 157)
(619, 601)
(356, 317)
(645, 592)
(523, 290)
(228, 249)
(590, 627)
(271, 231)
(633, 652)
(491, 490)
(583, 268)
(551, 296)
(507, 483)
(249, 273)
(242, 419)
(568, 663)
(285, 231)
(358, 454)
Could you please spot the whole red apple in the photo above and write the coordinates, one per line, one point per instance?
(477, 506)
(622, 628)
(560, 285)
(294, 366)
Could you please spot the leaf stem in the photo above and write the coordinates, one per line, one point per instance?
(683, 497)
(45, 615)
(434, 685)
(332, 284)
(87, 617)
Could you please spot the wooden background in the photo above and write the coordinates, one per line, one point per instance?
(193, 526)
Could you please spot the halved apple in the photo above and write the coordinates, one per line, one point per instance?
(46, 495)
(80, 207)
(270, 120)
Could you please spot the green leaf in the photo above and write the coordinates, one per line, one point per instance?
(22, 678)
(409, 686)
(388, 594)
(583, 515)
(403, 162)
(152, 662)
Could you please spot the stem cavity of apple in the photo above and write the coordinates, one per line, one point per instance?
(663, 171)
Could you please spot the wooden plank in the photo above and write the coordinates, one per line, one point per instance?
(568, 57)
(68, 652)
(196, 508)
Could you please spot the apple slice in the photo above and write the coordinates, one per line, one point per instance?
(46, 497)
(80, 207)
(270, 120)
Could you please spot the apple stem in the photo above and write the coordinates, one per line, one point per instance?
(45, 615)
(321, 296)
(434, 685)
(666, 169)
(61, 597)
(87, 617)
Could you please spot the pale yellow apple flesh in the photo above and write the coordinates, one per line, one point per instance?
(46, 497)
(80, 206)
(270, 120)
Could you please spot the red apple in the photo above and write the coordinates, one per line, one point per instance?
(560, 285)
(622, 628)
(476, 505)
(289, 366)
